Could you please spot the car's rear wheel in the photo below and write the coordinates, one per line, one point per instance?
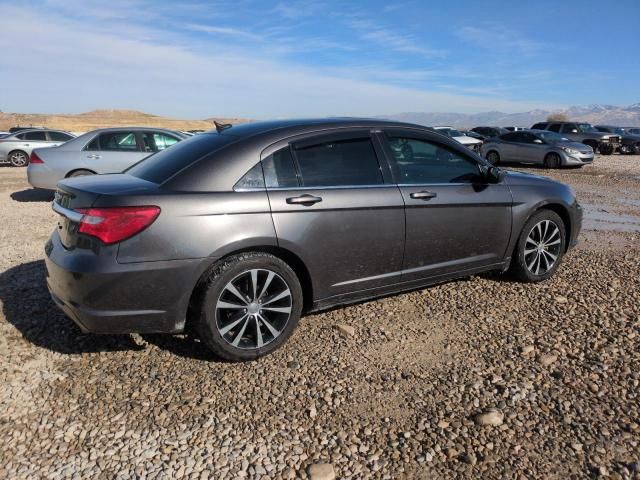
(540, 247)
(493, 157)
(552, 160)
(18, 158)
(80, 173)
(606, 149)
(250, 305)
(636, 149)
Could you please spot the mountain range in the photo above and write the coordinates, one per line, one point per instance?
(596, 114)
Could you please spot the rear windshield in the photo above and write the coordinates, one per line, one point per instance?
(161, 166)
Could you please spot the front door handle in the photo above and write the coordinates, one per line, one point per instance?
(423, 195)
(94, 156)
(305, 200)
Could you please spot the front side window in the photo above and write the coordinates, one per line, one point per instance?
(423, 162)
(555, 127)
(35, 136)
(568, 128)
(511, 137)
(339, 163)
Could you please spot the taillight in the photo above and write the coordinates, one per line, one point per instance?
(35, 158)
(113, 225)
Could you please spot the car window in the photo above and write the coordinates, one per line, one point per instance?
(537, 126)
(511, 137)
(568, 127)
(161, 166)
(251, 180)
(156, 141)
(339, 163)
(59, 136)
(423, 162)
(115, 141)
(554, 127)
(279, 170)
(35, 136)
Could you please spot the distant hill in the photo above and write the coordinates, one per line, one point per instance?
(596, 114)
(84, 122)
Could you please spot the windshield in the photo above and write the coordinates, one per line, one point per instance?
(587, 128)
(551, 137)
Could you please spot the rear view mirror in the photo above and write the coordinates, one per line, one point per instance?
(538, 141)
(492, 174)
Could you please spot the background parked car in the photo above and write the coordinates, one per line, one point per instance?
(537, 146)
(515, 129)
(586, 133)
(630, 143)
(18, 128)
(108, 150)
(4, 134)
(633, 130)
(488, 132)
(469, 142)
(16, 147)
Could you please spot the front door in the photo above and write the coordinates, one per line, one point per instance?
(455, 221)
(337, 210)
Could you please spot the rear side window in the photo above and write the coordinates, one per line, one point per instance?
(253, 179)
(555, 127)
(279, 170)
(161, 166)
(156, 141)
(59, 136)
(35, 136)
(568, 127)
(339, 163)
(115, 142)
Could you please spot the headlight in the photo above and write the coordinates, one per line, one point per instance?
(570, 151)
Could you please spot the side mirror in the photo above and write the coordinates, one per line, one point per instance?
(492, 174)
(538, 141)
(574, 131)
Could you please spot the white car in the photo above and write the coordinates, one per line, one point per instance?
(469, 142)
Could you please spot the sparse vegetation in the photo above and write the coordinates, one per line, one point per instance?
(557, 117)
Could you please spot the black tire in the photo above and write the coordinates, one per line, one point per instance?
(493, 157)
(552, 160)
(210, 316)
(606, 149)
(636, 149)
(80, 173)
(521, 261)
(18, 158)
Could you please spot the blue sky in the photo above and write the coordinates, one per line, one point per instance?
(260, 59)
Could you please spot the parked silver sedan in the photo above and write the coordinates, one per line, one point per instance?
(108, 150)
(15, 148)
(538, 147)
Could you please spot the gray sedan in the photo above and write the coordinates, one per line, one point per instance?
(109, 150)
(16, 147)
(538, 147)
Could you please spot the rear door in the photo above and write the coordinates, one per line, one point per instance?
(334, 206)
(58, 138)
(113, 151)
(154, 141)
(455, 221)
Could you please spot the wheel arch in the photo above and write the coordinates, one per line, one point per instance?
(287, 256)
(563, 213)
(71, 172)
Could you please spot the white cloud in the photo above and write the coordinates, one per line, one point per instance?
(67, 65)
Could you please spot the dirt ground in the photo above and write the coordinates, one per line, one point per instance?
(558, 362)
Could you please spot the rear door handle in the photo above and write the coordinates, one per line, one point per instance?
(305, 200)
(94, 156)
(423, 195)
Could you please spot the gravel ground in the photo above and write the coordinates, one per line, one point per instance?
(479, 378)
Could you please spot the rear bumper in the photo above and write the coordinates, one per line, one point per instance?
(41, 176)
(102, 296)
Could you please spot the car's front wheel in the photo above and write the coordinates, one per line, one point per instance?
(493, 157)
(552, 160)
(18, 158)
(540, 247)
(606, 149)
(250, 305)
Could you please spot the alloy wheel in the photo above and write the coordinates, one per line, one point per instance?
(253, 309)
(18, 159)
(542, 247)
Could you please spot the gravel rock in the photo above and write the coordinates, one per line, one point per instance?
(321, 471)
(491, 417)
(346, 330)
(547, 359)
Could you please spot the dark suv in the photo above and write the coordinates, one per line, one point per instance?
(236, 233)
(586, 133)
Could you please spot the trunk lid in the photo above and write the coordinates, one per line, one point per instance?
(83, 192)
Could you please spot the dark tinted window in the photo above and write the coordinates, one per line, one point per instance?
(59, 136)
(252, 179)
(555, 127)
(155, 141)
(345, 162)
(35, 136)
(568, 127)
(537, 126)
(124, 141)
(161, 166)
(420, 161)
(511, 137)
(279, 170)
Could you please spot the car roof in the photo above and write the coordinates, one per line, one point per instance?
(131, 127)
